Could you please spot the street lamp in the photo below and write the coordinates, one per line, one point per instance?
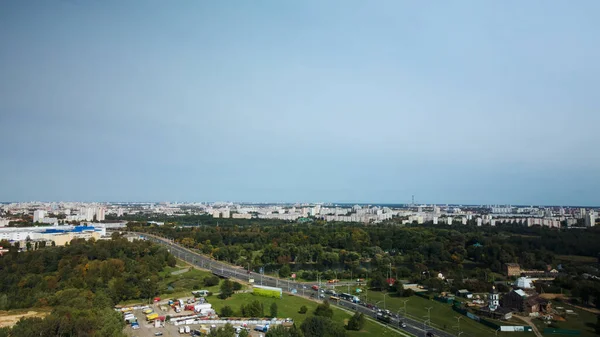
(384, 295)
(458, 322)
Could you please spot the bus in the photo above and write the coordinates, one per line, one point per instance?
(350, 298)
(334, 298)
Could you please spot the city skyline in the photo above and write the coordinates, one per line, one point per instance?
(342, 101)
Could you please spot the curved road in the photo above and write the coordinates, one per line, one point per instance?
(226, 270)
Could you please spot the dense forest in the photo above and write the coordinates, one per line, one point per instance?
(81, 282)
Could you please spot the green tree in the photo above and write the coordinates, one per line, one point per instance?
(324, 310)
(397, 287)
(356, 322)
(237, 286)
(243, 333)
(285, 271)
(281, 331)
(273, 310)
(303, 309)
(226, 331)
(318, 326)
(598, 324)
(210, 281)
(226, 289)
(252, 309)
(226, 311)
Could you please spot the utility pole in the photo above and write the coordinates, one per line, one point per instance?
(404, 306)
(428, 319)
(458, 322)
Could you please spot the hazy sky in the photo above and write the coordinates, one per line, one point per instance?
(348, 101)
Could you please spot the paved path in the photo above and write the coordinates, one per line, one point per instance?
(181, 271)
(530, 323)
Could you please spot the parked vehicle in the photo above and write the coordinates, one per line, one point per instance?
(315, 287)
(262, 328)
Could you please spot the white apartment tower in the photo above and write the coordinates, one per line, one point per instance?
(590, 219)
(38, 215)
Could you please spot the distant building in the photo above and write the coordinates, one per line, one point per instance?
(38, 215)
(464, 293)
(100, 214)
(523, 283)
(494, 309)
(590, 219)
(528, 303)
(512, 269)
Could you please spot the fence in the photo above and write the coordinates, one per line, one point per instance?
(552, 331)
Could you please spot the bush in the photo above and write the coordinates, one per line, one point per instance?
(274, 310)
(237, 286)
(356, 322)
(303, 309)
(324, 310)
(210, 281)
(226, 311)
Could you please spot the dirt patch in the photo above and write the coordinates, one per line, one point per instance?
(549, 296)
(8, 319)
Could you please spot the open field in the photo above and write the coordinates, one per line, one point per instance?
(182, 282)
(289, 305)
(10, 318)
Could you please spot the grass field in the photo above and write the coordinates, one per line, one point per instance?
(442, 315)
(289, 305)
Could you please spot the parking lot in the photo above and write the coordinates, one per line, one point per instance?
(148, 329)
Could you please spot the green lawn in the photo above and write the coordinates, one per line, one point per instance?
(442, 315)
(289, 305)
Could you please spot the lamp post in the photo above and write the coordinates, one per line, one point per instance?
(384, 295)
(458, 322)
(428, 320)
(404, 301)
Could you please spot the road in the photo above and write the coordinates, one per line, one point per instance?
(303, 289)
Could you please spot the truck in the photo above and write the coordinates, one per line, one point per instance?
(186, 329)
(262, 328)
(189, 307)
(147, 311)
(181, 330)
(151, 316)
(200, 307)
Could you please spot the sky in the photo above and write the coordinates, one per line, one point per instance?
(475, 102)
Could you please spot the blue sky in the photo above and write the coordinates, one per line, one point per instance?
(347, 101)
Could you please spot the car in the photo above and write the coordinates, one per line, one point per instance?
(158, 334)
(430, 334)
(402, 324)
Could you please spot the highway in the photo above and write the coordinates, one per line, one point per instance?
(414, 327)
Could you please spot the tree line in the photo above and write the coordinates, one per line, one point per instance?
(81, 282)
